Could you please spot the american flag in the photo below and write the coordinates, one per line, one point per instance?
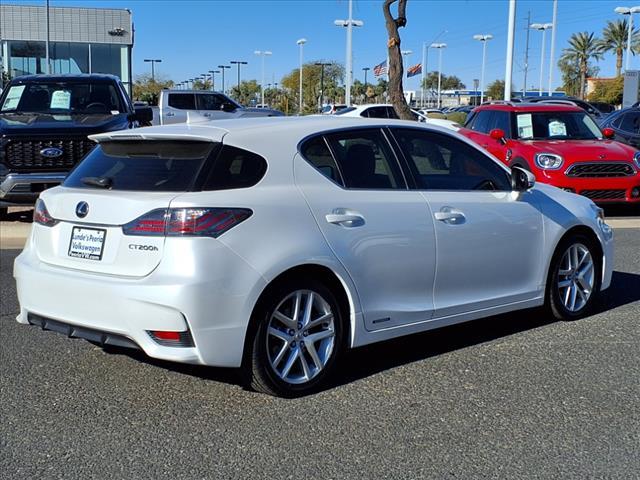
(380, 69)
(415, 70)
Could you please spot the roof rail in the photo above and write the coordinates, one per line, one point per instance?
(559, 102)
(498, 102)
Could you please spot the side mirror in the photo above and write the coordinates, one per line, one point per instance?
(521, 179)
(608, 133)
(228, 107)
(498, 134)
(144, 115)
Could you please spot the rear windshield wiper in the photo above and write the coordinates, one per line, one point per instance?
(100, 182)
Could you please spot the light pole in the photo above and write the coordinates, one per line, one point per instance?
(213, 78)
(553, 43)
(223, 68)
(262, 53)
(300, 43)
(484, 39)
(440, 47)
(322, 65)
(425, 62)
(628, 11)
(511, 34)
(153, 70)
(365, 69)
(349, 24)
(238, 62)
(541, 27)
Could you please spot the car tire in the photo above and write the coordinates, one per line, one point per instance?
(4, 213)
(293, 354)
(573, 283)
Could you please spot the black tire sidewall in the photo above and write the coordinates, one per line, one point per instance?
(259, 358)
(554, 302)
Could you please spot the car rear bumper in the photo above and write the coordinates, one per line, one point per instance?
(200, 297)
(600, 190)
(24, 188)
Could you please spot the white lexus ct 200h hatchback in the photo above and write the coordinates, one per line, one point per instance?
(275, 244)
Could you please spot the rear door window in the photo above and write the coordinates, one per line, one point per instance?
(317, 153)
(142, 166)
(630, 122)
(366, 160)
(182, 101)
(209, 101)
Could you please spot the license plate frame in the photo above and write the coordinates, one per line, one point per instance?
(89, 239)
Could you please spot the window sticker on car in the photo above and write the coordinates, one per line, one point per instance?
(13, 98)
(557, 129)
(61, 99)
(525, 126)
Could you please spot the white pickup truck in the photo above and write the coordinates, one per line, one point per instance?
(178, 106)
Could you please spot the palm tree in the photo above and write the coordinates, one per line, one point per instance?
(583, 47)
(614, 39)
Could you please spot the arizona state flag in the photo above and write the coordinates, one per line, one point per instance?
(415, 70)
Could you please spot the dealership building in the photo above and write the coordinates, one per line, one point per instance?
(81, 40)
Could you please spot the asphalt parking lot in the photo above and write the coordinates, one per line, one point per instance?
(512, 396)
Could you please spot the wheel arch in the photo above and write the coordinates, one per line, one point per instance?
(338, 285)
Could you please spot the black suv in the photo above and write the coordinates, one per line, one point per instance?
(44, 124)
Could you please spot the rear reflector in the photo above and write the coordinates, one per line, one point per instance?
(171, 339)
(192, 222)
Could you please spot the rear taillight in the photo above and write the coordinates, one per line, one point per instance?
(41, 215)
(187, 222)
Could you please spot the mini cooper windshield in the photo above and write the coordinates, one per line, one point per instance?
(556, 126)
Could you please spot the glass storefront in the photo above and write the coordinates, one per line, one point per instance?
(30, 58)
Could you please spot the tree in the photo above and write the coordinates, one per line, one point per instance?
(495, 90)
(311, 76)
(614, 39)
(247, 91)
(148, 90)
(608, 91)
(201, 84)
(570, 70)
(396, 70)
(583, 47)
(447, 82)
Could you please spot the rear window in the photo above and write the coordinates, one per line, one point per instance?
(142, 166)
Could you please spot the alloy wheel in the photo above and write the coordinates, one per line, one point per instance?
(576, 277)
(300, 337)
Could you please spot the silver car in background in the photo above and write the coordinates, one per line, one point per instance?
(178, 106)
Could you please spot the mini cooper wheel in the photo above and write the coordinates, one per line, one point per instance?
(299, 337)
(574, 278)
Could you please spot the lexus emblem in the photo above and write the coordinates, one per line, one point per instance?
(82, 209)
(51, 152)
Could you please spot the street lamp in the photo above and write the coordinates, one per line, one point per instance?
(365, 69)
(425, 62)
(484, 39)
(213, 78)
(153, 71)
(262, 53)
(301, 43)
(628, 11)
(322, 65)
(349, 24)
(440, 47)
(542, 27)
(238, 63)
(223, 67)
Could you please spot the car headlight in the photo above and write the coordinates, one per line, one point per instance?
(548, 161)
(636, 159)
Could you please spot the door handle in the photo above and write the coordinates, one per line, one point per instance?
(450, 216)
(171, 114)
(345, 218)
(207, 114)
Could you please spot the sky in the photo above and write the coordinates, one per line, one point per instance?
(194, 36)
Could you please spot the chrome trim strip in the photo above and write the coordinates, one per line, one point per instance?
(14, 179)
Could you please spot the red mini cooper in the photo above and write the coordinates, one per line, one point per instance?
(561, 145)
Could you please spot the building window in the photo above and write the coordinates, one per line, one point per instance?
(26, 58)
(69, 57)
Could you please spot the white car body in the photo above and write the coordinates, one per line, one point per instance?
(402, 270)
(382, 109)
